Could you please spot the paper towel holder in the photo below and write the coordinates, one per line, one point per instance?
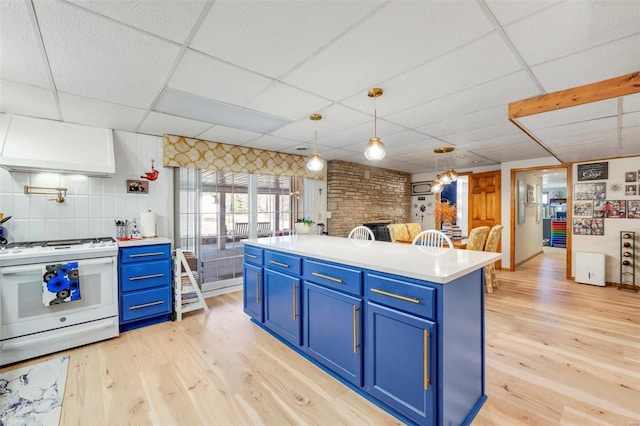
(144, 225)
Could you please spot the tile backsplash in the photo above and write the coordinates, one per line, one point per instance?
(92, 204)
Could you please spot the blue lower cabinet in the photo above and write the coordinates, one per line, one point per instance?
(282, 305)
(253, 292)
(400, 362)
(333, 330)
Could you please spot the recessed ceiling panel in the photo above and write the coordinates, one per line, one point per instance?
(169, 19)
(272, 37)
(396, 38)
(159, 124)
(210, 78)
(20, 57)
(27, 100)
(97, 58)
(76, 109)
(571, 27)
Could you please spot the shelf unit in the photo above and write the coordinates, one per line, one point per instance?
(628, 261)
(187, 295)
(558, 233)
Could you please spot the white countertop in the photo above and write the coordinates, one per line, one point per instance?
(144, 242)
(438, 265)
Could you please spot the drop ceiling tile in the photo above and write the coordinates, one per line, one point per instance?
(396, 38)
(506, 11)
(631, 119)
(271, 143)
(272, 37)
(467, 122)
(571, 27)
(339, 154)
(516, 151)
(631, 103)
(443, 76)
(298, 104)
(20, 54)
(495, 93)
(159, 124)
(96, 58)
(483, 133)
(360, 134)
(76, 109)
(574, 114)
(601, 63)
(228, 135)
(576, 129)
(27, 100)
(210, 78)
(172, 20)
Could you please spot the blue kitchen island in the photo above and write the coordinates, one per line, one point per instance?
(402, 325)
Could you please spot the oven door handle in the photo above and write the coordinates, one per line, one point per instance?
(37, 268)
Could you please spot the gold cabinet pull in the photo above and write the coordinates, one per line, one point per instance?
(355, 329)
(397, 296)
(257, 287)
(295, 309)
(426, 359)
(251, 256)
(284, 265)
(326, 277)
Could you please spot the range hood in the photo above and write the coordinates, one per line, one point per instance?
(37, 145)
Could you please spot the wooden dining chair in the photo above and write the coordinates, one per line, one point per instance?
(432, 238)
(490, 281)
(361, 233)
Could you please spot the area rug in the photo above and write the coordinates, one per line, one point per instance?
(33, 395)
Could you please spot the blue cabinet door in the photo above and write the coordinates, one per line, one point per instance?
(400, 361)
(253, 294)
(282, 305)
(332, 327)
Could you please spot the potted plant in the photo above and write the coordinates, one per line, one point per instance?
(303, 226)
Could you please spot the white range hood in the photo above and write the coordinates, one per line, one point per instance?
(37, 145)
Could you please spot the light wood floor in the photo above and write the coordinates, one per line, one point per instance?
(558, 353)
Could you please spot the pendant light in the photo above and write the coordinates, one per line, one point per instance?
(450, 175)
(315, 163)
(436, 185)
(374, 150)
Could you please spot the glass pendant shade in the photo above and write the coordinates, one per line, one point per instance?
(315, 163)
(444, 178)
(453, 175)
(375, 150)
(436, 186)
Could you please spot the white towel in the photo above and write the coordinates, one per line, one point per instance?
(60, 283)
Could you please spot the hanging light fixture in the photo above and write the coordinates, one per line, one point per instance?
(449, 175)
(436, 185)
(374, 150)
(315, 163)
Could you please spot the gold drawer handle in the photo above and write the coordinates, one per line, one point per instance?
(355, 329)
(426, 359)
(397, 296)
(257, 287)
(251, 256)
(284, 265)
(327, 277)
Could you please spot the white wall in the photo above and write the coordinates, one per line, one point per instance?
(609, 243)
(92, 204)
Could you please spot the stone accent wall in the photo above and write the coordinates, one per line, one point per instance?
(358, 194)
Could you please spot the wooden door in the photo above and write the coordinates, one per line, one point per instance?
(484, 201)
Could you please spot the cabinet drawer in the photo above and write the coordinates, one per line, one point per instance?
(333, 276)
(145, 303)
(409, 297)
(145, 253)
(253, 255)
(137, 276)
(282, 262)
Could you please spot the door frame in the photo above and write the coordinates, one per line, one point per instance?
(512, 219)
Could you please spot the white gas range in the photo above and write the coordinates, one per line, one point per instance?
(56, 295)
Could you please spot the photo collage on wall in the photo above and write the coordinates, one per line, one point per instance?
(591, 206)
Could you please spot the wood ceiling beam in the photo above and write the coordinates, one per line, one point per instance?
(619, 86)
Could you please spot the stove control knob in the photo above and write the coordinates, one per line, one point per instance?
(16, 250)
(101, 244)
(90, 244)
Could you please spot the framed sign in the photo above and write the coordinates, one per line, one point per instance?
(137, 186)
(593, 171)
(421, 188)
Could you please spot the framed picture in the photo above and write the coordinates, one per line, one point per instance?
(521, 196)
(583, 208)
(588, 226)
(583, 191)
(631, 176)
(530, 195)
(137, 186)
(615, 209)
(631, 190)
(593, 171)
(421, 188)
(633, 209)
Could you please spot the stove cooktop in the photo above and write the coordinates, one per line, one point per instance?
(58, 250)
(58, 243)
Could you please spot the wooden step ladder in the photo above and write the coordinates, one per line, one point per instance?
(187, 294)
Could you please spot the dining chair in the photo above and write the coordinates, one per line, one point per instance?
(477, 238)
(432, 238)
(490, 281)
(361, 233)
